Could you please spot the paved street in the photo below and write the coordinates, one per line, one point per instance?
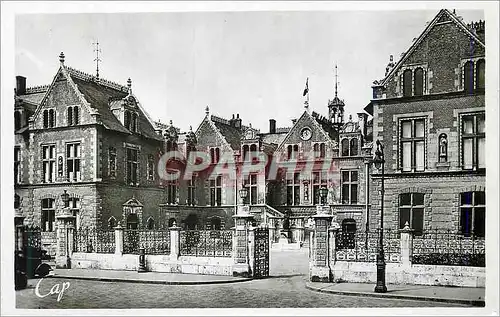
(286, 288)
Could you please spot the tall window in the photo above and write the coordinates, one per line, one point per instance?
(74, 206)
(345, 147)
(151, 167)
(216, 191)
(418, 82)
(319, 150)
(17, 120)
(293, 189)
(215, 155)
(191, 200)
(127, 119)
(413, 144)
(73, 161)
(49, 163)
(407, 86)
(73, 115)
(472, 213)
(48, 215)
(349, 187)
(354, 147)
(473, 141)
(17, 165)
(411, 210)
(112, 162)
(131, 121)
(172, 188)
(150, 223)
(132, 166)
(469, 77)
(292, 152)
(49, 118)
(319, 180)
(480, 65)
(251, 184)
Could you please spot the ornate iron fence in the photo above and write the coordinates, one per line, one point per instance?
(363, 246)
(32, 238)
(153, 241)
(211, 243)
(448, 247)
(94, 240)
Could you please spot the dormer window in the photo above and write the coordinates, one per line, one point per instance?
(131, 121)
(349, 147)
(407, 74)
(73, 115)
(418, 82)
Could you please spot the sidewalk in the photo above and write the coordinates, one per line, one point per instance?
(145, 277)
(461, 295)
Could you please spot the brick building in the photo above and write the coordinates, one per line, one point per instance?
(428, 112)
(90, 137)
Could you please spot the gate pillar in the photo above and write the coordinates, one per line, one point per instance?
(241, 246)
(65, 234)
(319, 262)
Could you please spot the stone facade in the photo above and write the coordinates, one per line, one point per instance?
(440, 173)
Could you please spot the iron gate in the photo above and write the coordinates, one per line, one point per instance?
(261, 253)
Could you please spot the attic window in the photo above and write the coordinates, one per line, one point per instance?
(49, 118)
(407, 83)
(480, 65)
(130, 121)
(73, 115)
(418, 86)
(469, 77)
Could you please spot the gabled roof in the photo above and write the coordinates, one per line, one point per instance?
(443, 16)
(212, 125)
(314, 122)
(98, 96)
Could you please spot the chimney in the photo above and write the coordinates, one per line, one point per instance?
(362, 118)
(20, 85)
(272, 126)
(237, 121)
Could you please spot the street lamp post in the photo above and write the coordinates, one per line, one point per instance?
(379, 162)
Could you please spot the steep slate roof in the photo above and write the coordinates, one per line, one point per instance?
(232, 134)
(274, 138)
(443, 15)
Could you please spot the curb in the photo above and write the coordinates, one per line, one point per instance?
(163, 282)
(478, 303)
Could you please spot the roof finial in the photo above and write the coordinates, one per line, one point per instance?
(207, 110)
(336, 80)
(171, 122)
(61, 58)
(97, 59)
(129, 85)
(191, 128)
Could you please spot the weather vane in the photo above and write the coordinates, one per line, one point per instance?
(97, 50)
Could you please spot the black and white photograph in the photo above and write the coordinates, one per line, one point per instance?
(249, 158)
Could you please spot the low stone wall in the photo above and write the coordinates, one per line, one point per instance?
(365, 272)
(154, 263)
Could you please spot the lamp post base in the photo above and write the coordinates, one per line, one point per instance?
(380, 287)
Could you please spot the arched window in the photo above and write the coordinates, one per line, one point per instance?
(133, 122)
(345, 147)
(289, 152)
(52, 118)
(111, 222)
(253, 151)
(132, 221)
(76, 114)
(407, 75)
(191, 221)
(322, 150)
(295, 151)
(171, 222)
(217, 155)
(69, 116)
(151, 223)
(45, 119)
(480, 74)
(354, 147)
(316, 149)
(418, 88)
(17, 120)
(127, 119)
(245, 151)
(469, 77)
(212, 155)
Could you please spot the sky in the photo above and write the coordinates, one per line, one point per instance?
(254, 64)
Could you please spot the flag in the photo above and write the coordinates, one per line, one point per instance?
(306, 90)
